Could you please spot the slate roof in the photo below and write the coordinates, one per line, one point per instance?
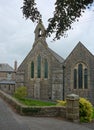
(6, 68)
(7, 82)
(59, 58)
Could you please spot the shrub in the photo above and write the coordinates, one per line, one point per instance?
(86, 110)
(93, 114)
(21, 92)
(61, 103)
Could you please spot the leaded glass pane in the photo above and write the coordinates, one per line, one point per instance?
(85, 79)
(39, 67)
(75, 78)
(32, 70)
(46, 69)
(80, 76)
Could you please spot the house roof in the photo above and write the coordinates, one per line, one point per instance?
(7, 82)
(6, 68)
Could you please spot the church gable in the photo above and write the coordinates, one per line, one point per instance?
(46, 55)
(79, 70)
(79, 54)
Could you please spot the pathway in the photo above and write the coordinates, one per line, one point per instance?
(9, 120)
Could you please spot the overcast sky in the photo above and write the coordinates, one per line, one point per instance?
(17, 34)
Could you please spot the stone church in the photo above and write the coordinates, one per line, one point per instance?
(48, 76)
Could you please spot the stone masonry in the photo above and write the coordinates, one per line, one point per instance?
(61, 79)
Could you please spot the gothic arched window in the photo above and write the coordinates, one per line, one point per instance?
(80, 76)
(45, 69)
(32, 69)
(85, 78)
(39, 66)
(75, 78)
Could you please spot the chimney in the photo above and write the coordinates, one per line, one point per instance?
(15, 66)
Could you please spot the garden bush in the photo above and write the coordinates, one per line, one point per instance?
(93, 114)
(86, 110)
(61, 103)
(20, 92)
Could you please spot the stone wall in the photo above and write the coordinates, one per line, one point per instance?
(47, 111)
(70, 112)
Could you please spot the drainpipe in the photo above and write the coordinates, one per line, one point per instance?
(63, 67)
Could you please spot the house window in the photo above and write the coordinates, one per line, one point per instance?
(80, 76)
(9, 76)
(39, 66)
(32, 69)
(45, 69)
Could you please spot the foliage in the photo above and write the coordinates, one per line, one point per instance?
(21, 92)
(30, 10)
(86, 110)
(61, 103)
(31, 102)
(93, 114)
(66, 12)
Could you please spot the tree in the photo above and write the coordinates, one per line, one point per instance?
(66, 12)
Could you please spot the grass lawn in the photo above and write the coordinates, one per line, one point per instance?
(31, 102)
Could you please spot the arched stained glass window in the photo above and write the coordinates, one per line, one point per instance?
(75, 78)
(45, 69)
(39, 66)
(85, 78)
(32, 69)
(80, 76)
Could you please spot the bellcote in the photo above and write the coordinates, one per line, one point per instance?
(40, 31)
(40, 36)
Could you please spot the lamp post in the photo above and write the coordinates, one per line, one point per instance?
(63, 82)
